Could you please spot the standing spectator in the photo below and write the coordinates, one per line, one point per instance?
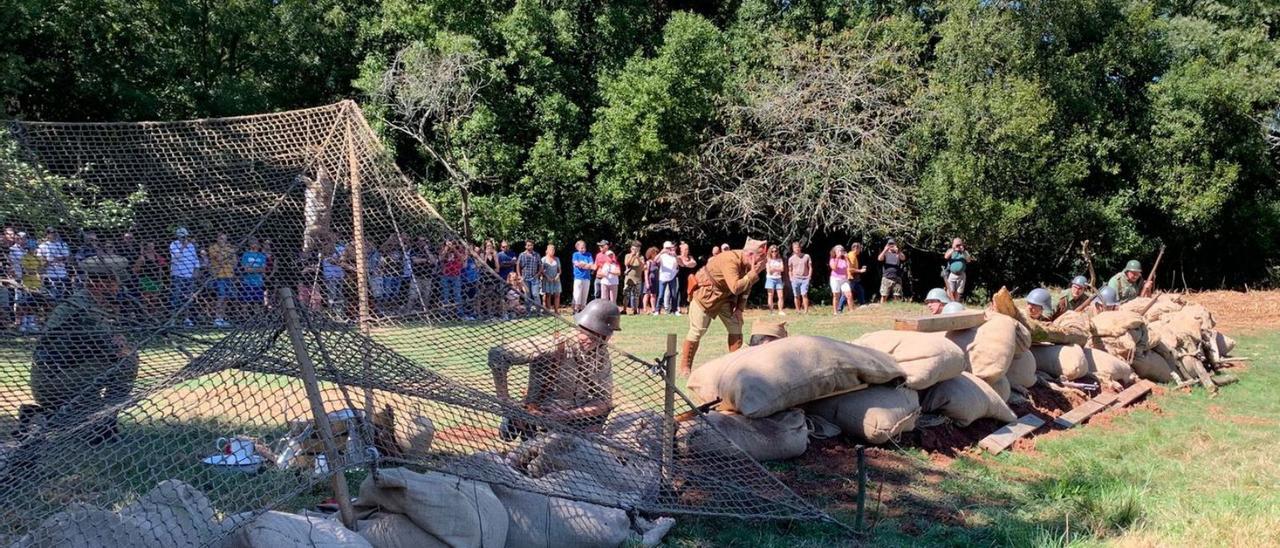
(475, 304)
(800, 268)
(634, 279)
(12, 270)
(389, 271)
(891, 260)
(584, 267)
(490, 255)
(513, 296)
(54, 254)
(333, 271)
(651, 267)
(856, 270)
(184, 263)
(221, 258)
(602, 250)
(506, 260)
(551, 280)
(151, 269)
(839, 264)
(688, 266)
(668, 282)
(25, 266)
(529, 269)
(773, 270)
(88, 246)
(253, 267)
(451, 263)
(608, 275)
(955, 274)
(423, 271)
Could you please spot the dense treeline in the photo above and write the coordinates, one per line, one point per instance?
(1023, 126)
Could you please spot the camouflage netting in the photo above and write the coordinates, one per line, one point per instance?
(103, 399)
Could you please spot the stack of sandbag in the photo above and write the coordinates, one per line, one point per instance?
(1122, 334)
(1022, 371)
(1061, 361)
(400, 507)
(1164, 304)
(284, 530)
(624, 478)
(1109, 368)
(876, 414)
(926, 358)
(1070, 328)
(991, 347)
(759, 381)
(782, 435)
(965, 399)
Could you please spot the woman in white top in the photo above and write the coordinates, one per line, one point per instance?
(668, 280)
(607, 276)
(773, 279)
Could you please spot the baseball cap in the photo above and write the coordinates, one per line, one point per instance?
(602, 242)
(668, 245)
(891, 241)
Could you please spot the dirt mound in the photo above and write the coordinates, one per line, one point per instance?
(1238, 311)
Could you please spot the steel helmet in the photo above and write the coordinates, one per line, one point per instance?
(937, 294)
(1040, 297)
(952, 308)
(1133, 266)
(1107, 296)
(600, 317)
(1080, 281)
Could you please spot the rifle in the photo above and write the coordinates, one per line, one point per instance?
(1088, 261)
(1152, 276)
(702, 409)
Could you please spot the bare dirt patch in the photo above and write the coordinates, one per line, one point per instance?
(1238, 311)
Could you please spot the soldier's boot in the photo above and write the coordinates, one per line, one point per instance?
(686, 358)
(735, 342)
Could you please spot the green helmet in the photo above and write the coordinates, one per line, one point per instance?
(937, 294)
(1040, 297)
(952, 308)
(600, 317)
(1133, 266)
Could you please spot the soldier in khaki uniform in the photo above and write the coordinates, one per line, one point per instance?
(1128, 284)
(722, 288)
(1073, 298)
(766, 331)
(570, 375)
(82, 362)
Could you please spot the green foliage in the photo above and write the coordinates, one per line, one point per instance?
(35, 198)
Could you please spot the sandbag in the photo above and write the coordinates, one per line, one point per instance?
(1061, 361)
(1226, 345)
(1003, 388)
(457, 512)
(283, 530)
(176, 514)
(639, 431)
(1152, 366)
(1070, 328)
(1113, 323)
(1109, 368)
(415, 437)
(1201, 313)
(1022, 372)
(990, 347)
(1165, 304)
(876, 414)
(387, 530)
(538, 521)
(547, 454)
(762, 380)
(779, 436)
(926, 358)
(965, 399)
(83, 526)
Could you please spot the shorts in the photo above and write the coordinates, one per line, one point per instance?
(800, 287)
(773, 284)
(955, 283)
(890, 287)
(223, 286)
(840, 285)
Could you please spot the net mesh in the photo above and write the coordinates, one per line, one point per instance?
(308, 251)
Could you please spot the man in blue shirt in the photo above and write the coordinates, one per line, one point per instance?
(584, 265)
(506, 261)
(253, 266)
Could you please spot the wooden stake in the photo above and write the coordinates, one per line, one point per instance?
(669, 404)
(293, 324)
(357, 223)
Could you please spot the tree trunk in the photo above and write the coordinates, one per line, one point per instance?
(465, 193)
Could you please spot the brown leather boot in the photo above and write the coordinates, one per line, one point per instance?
(735, 342)
(686, 358)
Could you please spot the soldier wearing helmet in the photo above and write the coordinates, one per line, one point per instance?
(1106, 299)
(1128, 283)
(1039, 303)
(82, 361)
(936, 299)
(570, 374)
(1073, 297)
(765, 331)
(952, 308)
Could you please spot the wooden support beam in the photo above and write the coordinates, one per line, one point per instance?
(1004, 437)
(668, 407)
(942, 322)
(1134, 393)
(1078, 415)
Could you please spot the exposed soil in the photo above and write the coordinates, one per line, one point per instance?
(1241, 310)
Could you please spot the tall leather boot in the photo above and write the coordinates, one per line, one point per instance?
(735, 342)
(686, 358)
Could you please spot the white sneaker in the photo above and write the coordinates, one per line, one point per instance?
(781, 313)
(677, 313)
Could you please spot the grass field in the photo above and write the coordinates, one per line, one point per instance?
(1186, 469)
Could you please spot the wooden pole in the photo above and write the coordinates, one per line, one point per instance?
(362, 274)
(669, 404)
(293, 324)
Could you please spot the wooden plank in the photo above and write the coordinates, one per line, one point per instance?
(1078, 415)
(1004, 437)
(943, 322)
(1134, 393)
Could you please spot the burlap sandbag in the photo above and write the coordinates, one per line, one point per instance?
(175, 513)
(1201, 313)
(990, 347)
(455, 511)
(926, 358)
(1109, 368)
(547, 454)
(762, 380)
(1070, 328)
(1061, 361)
(1003, 388)
(1226, 345)
(965, 399)
(83, 526)
(1113, 323)
(776, 437)
(415, 436)
(387, 530)
(282, 530)
(639, 431)
(876, 414)
(1152, 366)
(541, 521)
(1022, 372)
(1165, 304)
